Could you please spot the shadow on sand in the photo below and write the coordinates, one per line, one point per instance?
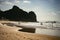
(30, 30)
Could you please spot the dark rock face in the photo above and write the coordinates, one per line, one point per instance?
(32, 16)
(1, 14)
(17, 14)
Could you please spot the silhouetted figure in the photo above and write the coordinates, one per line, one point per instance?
(41, 23)
(53, 23)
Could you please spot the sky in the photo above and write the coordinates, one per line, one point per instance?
(46, 10)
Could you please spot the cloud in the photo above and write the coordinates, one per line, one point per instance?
(10, 2)
(16, 2)
(6, 2)
(26, 1)
(52, 13)
(51, 0)
(57, 12)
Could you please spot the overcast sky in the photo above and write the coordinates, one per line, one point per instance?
(46, 10)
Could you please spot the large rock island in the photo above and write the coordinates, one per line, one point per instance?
(17, 14)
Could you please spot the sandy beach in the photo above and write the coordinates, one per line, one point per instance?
(12, 33)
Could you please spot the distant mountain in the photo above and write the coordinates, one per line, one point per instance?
(17, 14)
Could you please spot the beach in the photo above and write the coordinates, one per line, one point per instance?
(12, 33)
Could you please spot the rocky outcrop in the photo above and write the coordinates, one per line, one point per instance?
(17, 14)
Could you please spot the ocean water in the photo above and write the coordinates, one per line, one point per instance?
(48, 32)
(45, 28)
(38, 25)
